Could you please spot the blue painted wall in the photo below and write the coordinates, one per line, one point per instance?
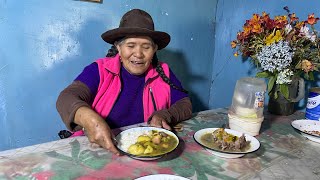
(230, 17)
(45, 44)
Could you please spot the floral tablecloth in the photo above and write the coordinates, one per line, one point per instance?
(284, 154)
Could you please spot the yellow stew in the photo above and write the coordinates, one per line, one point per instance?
(152, 144)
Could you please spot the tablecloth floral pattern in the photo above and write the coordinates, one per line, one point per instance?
(74, 158)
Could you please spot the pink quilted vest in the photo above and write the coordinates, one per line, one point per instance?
(110, 87)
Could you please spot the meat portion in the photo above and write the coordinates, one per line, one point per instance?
(229, 142)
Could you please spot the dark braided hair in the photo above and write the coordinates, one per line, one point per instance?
(155, 63)
(159, 69)
(112, 51)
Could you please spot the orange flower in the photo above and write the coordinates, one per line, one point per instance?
(281, 21)
(265, 15)
(255, 19)
(293, 17)
(257, 28)
(240, 36)
(299, 25)
(270, 24)
(246, 31)
(311, 19)
(233, 44)
(306, 65)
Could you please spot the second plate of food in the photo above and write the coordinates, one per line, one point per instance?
(226, 143)
(146, 143)
(308, 128)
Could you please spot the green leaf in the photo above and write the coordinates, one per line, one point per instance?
(96, 162)
(89, 159)
(94, 159)
(271, 83)
(262, 74)
(75, 145)
(284, 89)
(65, 170)
(311, 76)
(276, 95)
(56, 155)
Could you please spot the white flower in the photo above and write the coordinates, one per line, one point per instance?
(275, 57)
(288, 28)
(312, 37)
(304, 31)
(284, 77)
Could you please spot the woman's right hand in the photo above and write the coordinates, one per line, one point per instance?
(96, 129)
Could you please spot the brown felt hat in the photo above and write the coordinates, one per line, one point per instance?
(139, 23)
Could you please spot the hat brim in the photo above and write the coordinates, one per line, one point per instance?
(162, 39)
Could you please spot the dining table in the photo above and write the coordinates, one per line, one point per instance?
(283, 154)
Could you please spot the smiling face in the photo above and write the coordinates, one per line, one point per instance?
(136, 53)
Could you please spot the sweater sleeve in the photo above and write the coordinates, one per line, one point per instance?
(179, 111)
(80, 93)
(70, 100)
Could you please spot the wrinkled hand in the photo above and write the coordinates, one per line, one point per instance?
(158, 121)
(96, 129)
(100, 134)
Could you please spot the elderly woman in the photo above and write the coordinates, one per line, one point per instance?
(127, 87)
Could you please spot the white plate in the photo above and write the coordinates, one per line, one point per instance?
(303, 125)
(162, 177)
(131, 135)
(254, 143)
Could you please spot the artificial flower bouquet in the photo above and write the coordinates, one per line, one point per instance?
(282, 47)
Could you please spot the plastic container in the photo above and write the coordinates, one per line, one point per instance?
(313, 105)
(249, 126)
(246, 111)
(248, 97)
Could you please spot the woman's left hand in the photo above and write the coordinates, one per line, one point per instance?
(158, 121)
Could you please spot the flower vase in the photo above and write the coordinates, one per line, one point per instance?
(281, 105)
